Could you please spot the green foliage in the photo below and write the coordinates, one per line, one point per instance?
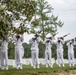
(65, 51)
(12, 10)
(45, 22)
(41, 50)
(11, 50)
(27, 51)
(75, 51)
(21, 29)
(18, 7)
(5, 24)
(54, 51)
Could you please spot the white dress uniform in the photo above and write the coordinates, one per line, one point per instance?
(48, 52)
(0, 53)
(70, 46)
(19, 51)
(60, 58)
(35, 51)
(4, 54)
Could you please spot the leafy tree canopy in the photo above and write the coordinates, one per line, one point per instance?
(44, 21)
(15, 10)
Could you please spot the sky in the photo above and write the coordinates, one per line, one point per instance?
(66, 12)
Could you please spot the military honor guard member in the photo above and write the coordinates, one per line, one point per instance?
(19, 50)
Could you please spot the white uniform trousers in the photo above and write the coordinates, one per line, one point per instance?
(34, 55)
(18, 56)
(71, 57)
(48, 55)
(60, 57)
(4, 58)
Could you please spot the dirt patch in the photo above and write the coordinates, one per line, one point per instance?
(58, 74)
(70, 72)
(73, 72)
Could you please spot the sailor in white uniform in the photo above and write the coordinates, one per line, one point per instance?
(19, 50)
(48, 52)
(35, 50)
(4, 53)
(60, 42)
(70, 46)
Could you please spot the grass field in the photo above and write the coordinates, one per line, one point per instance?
(28, 70)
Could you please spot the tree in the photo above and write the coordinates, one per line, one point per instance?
(41, 50)
(27, 51)
(15, 10)
(44, 21)
(11, 50)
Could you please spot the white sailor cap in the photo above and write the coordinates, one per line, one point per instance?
(48, 35)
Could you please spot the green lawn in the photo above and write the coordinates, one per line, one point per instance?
(28, 70)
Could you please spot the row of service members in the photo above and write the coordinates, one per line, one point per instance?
(19, 51)
(48, 52)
